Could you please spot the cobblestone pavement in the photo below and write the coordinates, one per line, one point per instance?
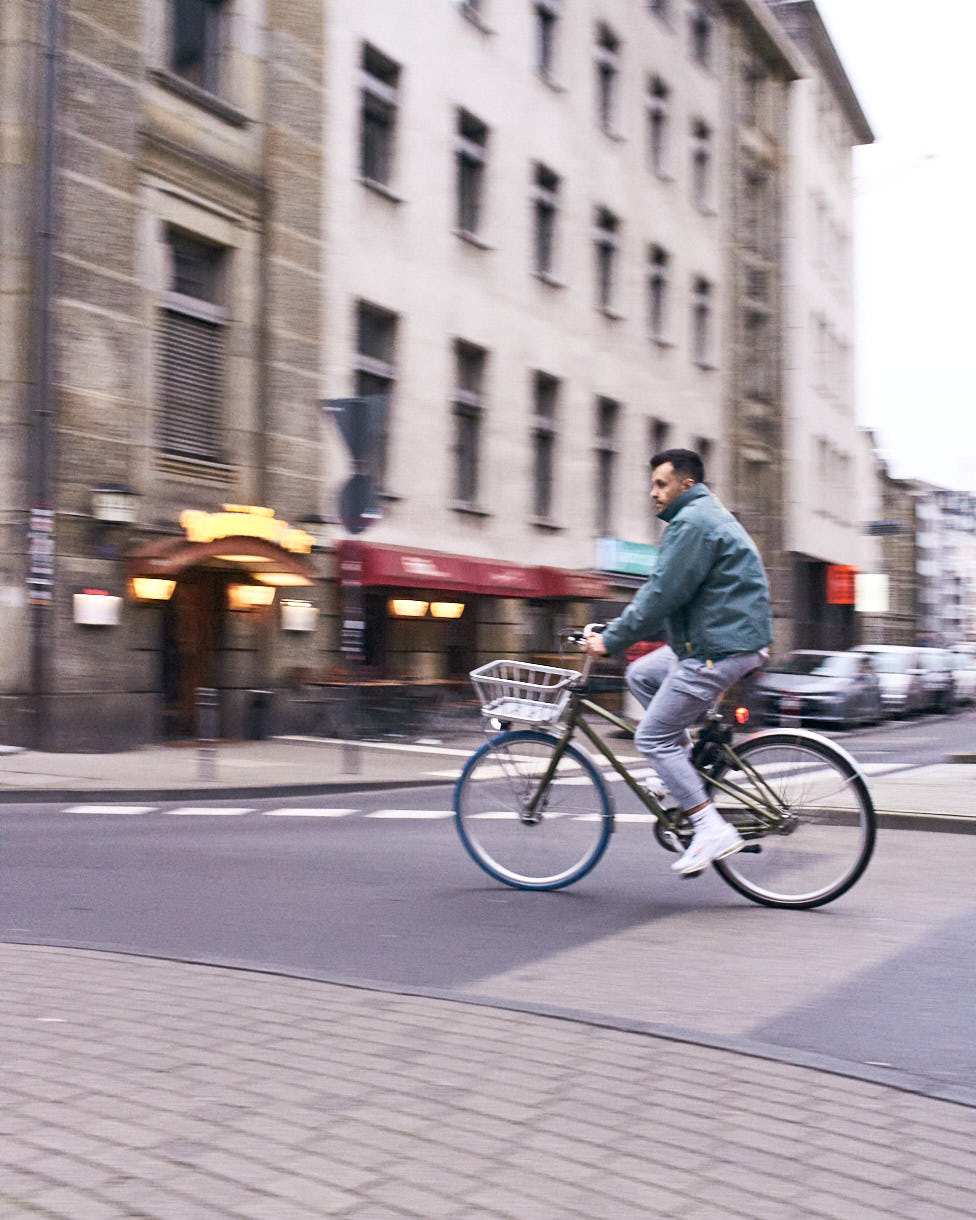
(137, 1087)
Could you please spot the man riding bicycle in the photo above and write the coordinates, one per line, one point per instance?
(709, 598)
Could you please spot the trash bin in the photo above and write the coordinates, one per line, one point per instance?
(257, 715)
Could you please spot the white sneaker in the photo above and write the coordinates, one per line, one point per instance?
(709, 843)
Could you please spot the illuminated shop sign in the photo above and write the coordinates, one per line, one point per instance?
(239, 520)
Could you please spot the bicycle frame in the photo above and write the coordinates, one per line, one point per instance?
(769, 814)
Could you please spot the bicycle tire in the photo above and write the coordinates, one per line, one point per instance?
(828, 840)
(570, 835)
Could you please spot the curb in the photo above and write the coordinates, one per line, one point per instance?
(40, 796)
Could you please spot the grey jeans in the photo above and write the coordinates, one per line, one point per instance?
(675, 695)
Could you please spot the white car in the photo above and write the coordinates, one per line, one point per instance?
(899, 670)
(964, 673)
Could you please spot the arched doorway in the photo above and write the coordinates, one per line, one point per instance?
(197, 645)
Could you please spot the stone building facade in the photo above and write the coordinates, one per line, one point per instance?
(829, 477)
(165, 323)
(550, 236)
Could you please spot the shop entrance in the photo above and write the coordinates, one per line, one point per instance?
(192, 626)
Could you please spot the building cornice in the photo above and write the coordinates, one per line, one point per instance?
(767, 34)
(828, 61)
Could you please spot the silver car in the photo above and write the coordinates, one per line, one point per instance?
(839, 688)
(964, 672)
(899, 669)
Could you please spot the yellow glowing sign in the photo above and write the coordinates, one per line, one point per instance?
(248, 521)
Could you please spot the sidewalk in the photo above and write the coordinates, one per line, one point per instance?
(299, 766)
(139, 1087)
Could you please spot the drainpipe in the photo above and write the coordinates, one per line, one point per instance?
(40, 442)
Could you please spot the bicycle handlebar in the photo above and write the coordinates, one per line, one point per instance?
(576, 635)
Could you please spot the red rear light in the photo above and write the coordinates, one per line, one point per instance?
(741, 715)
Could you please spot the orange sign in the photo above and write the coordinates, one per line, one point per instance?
(840, 584)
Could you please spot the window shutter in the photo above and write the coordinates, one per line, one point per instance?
(192, 373)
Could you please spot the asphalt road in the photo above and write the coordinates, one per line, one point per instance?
(376, 888)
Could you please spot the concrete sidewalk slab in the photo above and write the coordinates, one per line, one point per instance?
(138, 1086)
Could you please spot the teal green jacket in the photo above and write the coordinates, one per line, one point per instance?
(708, 596)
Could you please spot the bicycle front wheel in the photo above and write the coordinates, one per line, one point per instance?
(827, 833)
(544, 848)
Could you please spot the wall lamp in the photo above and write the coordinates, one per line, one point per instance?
(249, 597)
(401, 607)
(152, 588)
(405, 607)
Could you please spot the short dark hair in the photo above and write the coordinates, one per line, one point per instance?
(686, 463)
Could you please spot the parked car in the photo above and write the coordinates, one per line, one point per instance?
(826, 687)
(964, 672)
(938, 679)
(899, 670)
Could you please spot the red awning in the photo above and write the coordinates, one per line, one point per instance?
(370, 563)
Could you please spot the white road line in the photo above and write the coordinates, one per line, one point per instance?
(309, 813)
(120, 809)
(194, 811)
(406, 814)
(415, 748)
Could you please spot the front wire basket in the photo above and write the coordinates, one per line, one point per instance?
(517, 690)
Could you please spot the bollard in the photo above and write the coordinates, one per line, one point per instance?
(207, 733)
(352, 763)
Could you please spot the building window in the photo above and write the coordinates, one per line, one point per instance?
(607, 75)
(659, 433)
(469, 376)
(192, 343)
(704, 448)
(658, 265)
(701, 32)
(380, 79)
(701, 163)
(607, 420)
(546, 23)
(757, 212)
(606, 242)
(701, 321)
(545, 402)
(471, 156)
(375, 371)
(753, 93)
(196, 41)
(658, 125)
(758, 362)
(659, 439)
(545, 213)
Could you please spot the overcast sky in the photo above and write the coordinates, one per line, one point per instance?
(915, 230)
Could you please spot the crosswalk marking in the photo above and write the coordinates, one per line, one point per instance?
(119, 809)
(200, 811)
(308, 813)
(411, 813)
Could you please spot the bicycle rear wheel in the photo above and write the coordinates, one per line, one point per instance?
(545, 850)
(828, 832)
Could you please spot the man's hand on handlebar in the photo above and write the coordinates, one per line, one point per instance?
(593, 644)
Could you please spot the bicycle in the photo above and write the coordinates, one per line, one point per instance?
(534, 812)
